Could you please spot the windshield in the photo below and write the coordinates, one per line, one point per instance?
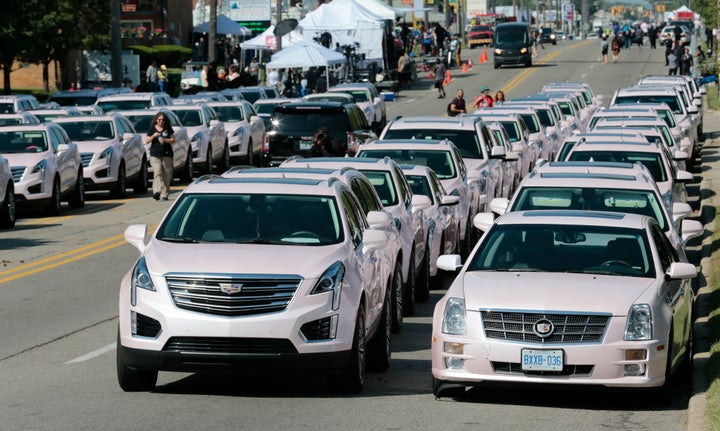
(189, 118)
(264, 108)
(511, 38)
(643, 202)
(89, 130)
(66, 100)
(251, 96)
(671, 101)
(466, 141)
(439, 161)
(140, 122)
(383, 184)
(23, 142)
(531, 122)
(419, 185)
(125, 105)
(229, 114)
(562, 248)
(652, 161)
(309, 121)
(358, 95)
(10, 121)
(7, 108)
(256, 219)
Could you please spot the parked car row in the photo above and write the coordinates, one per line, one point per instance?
(583, 279)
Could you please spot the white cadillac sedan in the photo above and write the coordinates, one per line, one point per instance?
(565, 297)
(244, 127)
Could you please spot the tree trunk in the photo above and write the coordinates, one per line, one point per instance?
(46, 76)
(7, 70)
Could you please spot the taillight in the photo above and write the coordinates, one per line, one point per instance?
(265, 143)
(351, 142)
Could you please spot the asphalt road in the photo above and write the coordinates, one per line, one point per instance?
(59, 280)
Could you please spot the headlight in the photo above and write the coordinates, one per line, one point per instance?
(639, 323)
(523, 50)
(685, 131)
(552, 36)
(454, 321)
(238, 132)
(667, 199)
(498, 52)
(331, 281)
(39, 168)
(197, 137)
(140, 278)
(107, 155)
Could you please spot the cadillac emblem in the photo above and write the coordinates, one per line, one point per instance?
(543, 328)
(230, 288)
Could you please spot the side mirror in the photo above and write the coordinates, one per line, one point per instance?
(380, 220)
(680, 210)
(690, 229)
(449, 262)
(450, 200)
(128, 136)
(136, 235)
(420, 202)
(692, 109)
(511, 156)
(680, 155)
(499, 205)
(684, 177)
(483, 221)
(497, 152)
(214, 123)
(681, 270)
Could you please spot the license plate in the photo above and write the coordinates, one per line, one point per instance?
(305, 145)
(542, 360)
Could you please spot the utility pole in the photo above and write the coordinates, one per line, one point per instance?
(115, 44)
(278, 18)
(212, 32)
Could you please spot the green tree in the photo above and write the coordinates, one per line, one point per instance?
(15, 25)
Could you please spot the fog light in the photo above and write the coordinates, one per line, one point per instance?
(635, 355)
(634, 369)
(454, 363)
(453, 348)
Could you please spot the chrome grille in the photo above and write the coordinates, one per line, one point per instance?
(568, 328)
(17, 172)
(229, 345)
(86, 158)
(255, 295)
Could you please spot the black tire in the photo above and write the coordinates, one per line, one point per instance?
(132, 379)
(249, 155)
(436, 280)
(77, 198)
(53, 207)
(187, 171)
(208, 169)
(8, 211)
(141, 182)
(352, 379)
(379, 347)
(497, 66)
(396, 297)
(422, 287)
(409, 289)
(118, 189)
(224, 163)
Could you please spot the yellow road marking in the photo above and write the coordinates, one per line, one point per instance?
(64, 258)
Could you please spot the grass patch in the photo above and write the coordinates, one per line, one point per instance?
(712, 372)
(712, 97)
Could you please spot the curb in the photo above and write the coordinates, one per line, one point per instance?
(697, 405)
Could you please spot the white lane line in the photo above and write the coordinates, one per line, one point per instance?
(98, 352)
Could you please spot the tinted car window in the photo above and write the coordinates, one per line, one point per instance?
(23, 142)
(190, 118)
(439, 161)
(229, 113)
(336, 121)
(466, 141)
(652, 161)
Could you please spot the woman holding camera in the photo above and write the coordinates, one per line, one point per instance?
(324, 145)
(161, 136)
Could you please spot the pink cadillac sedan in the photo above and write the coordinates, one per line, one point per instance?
(565, 297)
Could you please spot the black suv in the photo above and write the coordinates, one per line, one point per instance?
(293, 126)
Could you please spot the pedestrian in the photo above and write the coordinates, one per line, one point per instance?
(615, 47)
(668, 50)
(484, 100)
(534, 37)
(212, 77)
(457, 106)
(324, 145)
(162, 77)
(254, 69)
(203, 77)
(499, 98)
(403, 70)
(686, 62)
(151, 76)
(672, 63)
(440, 77)
(161, 136)
(652, 36)
(273, 78)
(427, 36)
(604, 45)
(202, 49)
(454, 43)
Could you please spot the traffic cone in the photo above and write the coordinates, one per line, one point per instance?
(431, 76)
(470, 63)
(484, 55)
(464, 69)
(480, 60)
(448, 78)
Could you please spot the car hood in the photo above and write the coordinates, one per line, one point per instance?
(230, 127)
(24, 159)
(552, 291)
(307, 261)
(94, 146)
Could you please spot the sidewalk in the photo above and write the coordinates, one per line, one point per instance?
(709, 200)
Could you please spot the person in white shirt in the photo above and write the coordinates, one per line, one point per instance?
(273, 78)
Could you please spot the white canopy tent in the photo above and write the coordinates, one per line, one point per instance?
(265, 40)
(224, 26)
(306, 54)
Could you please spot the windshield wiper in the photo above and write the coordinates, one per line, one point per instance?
(180, 240)
(591, 271)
